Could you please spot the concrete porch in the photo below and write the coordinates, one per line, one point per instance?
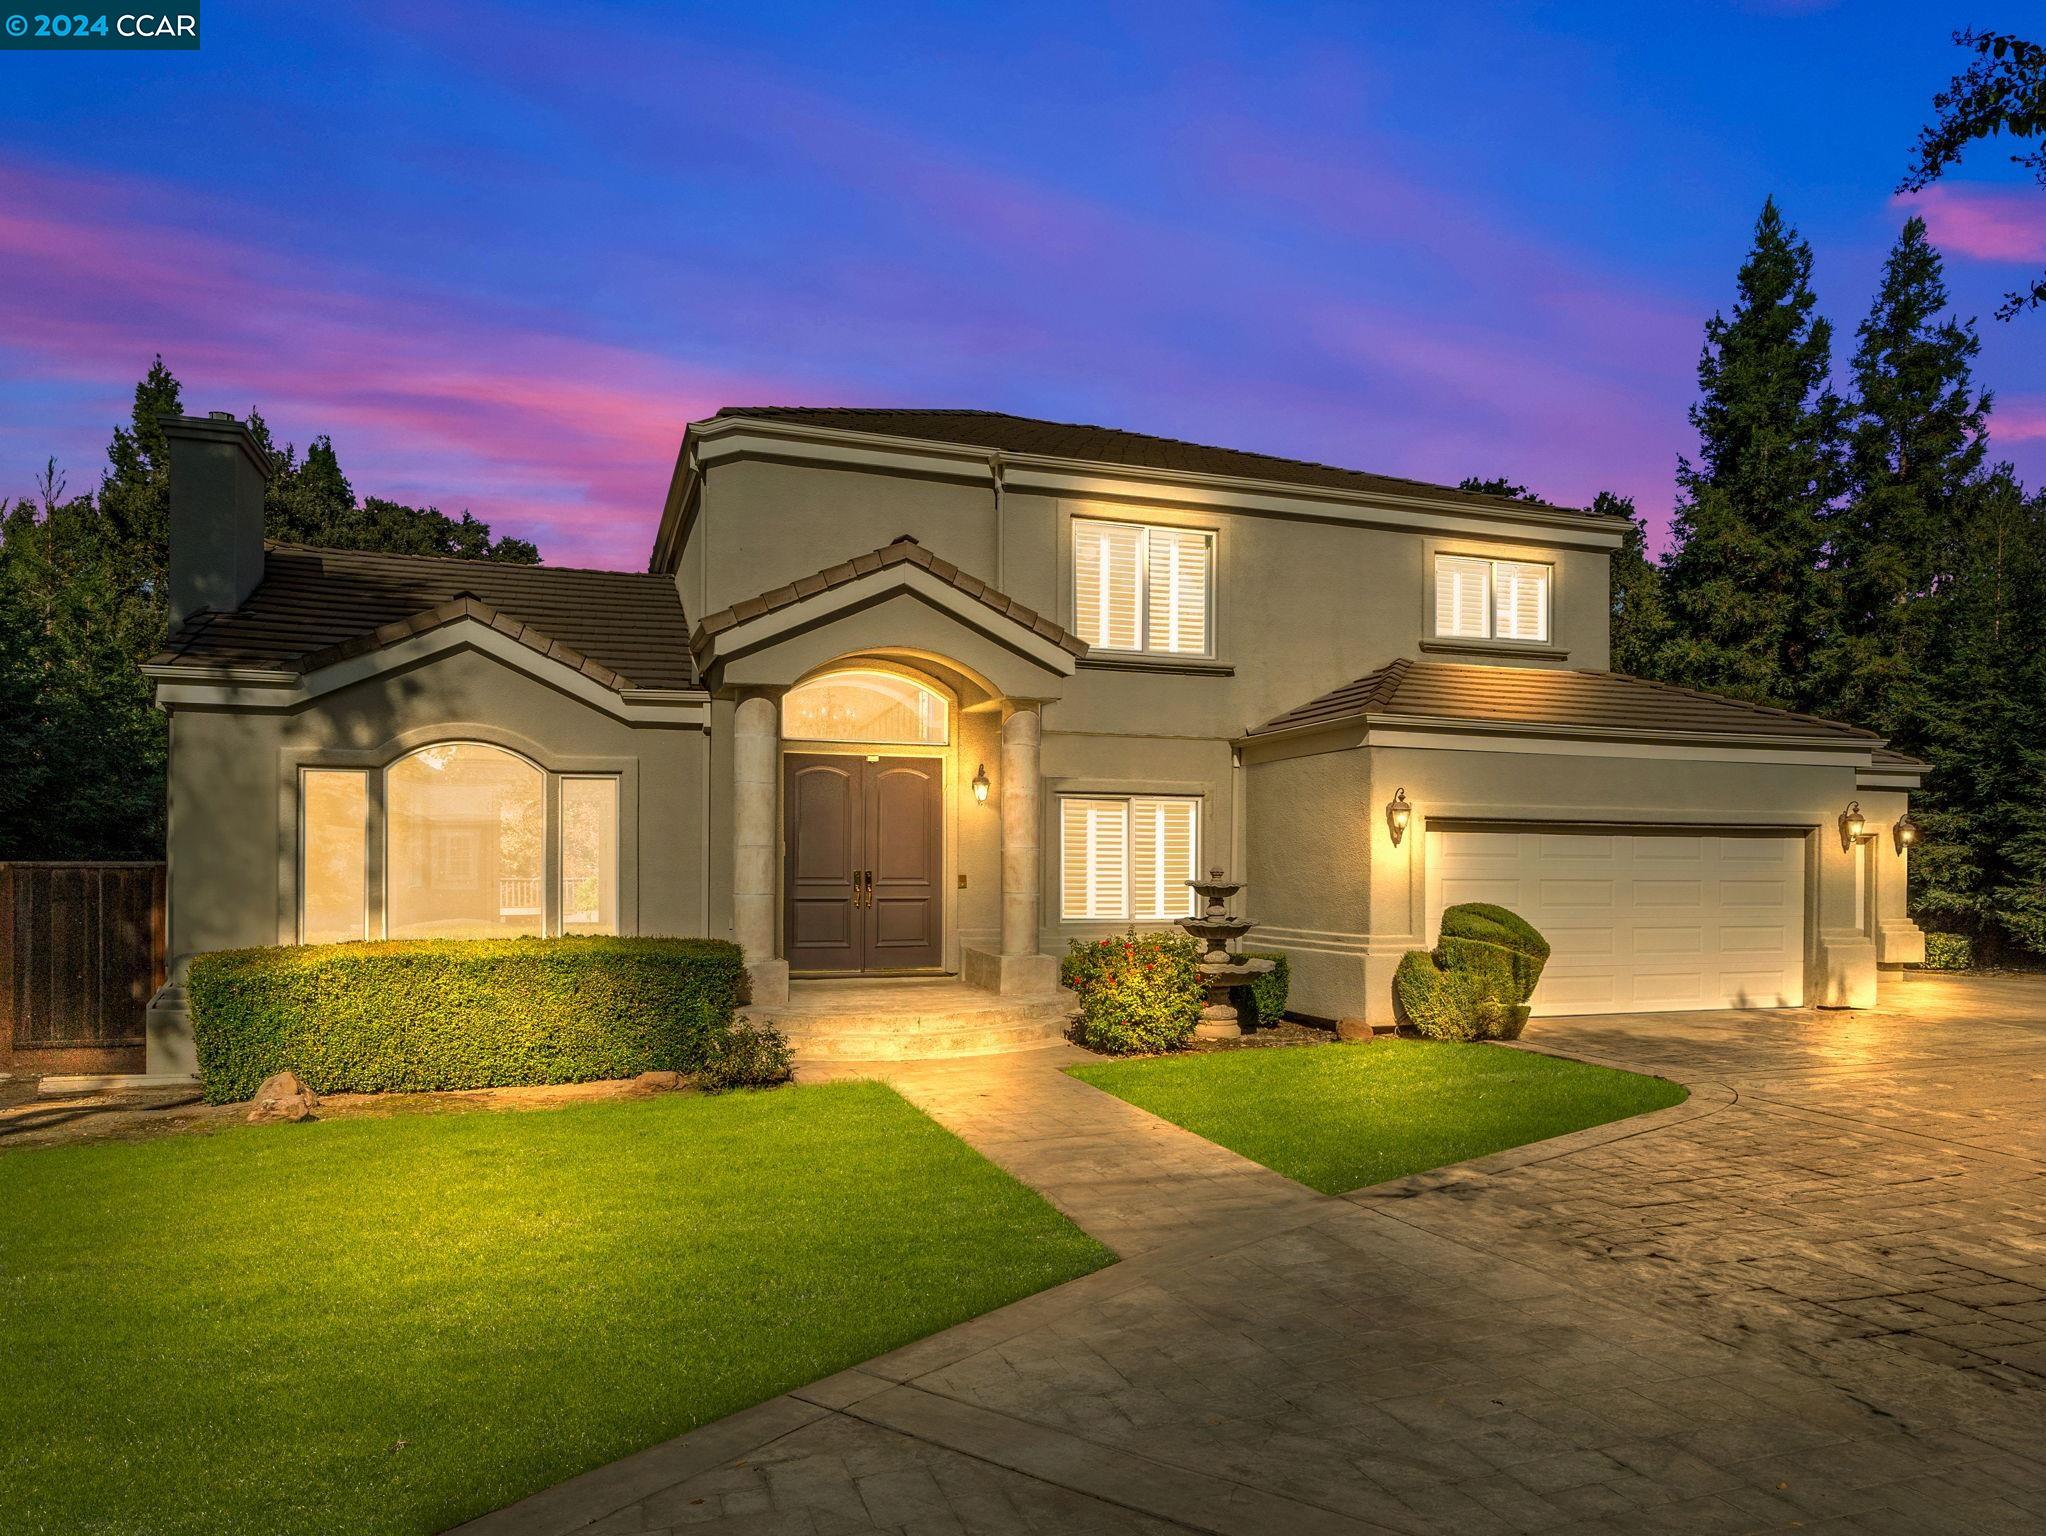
(911, 1018)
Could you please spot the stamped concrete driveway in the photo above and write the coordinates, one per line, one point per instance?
(1813, 1297)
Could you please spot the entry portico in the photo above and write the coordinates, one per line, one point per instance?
(991, 663)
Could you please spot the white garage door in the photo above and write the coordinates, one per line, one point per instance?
(1640, 923)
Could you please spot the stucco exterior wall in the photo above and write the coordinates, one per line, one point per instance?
(1302, 605)
(233, 836)
(1309, 857)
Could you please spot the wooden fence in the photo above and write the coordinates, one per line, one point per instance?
(81, 953)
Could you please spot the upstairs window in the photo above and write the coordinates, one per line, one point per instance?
(1143, 589)
(1478, 599)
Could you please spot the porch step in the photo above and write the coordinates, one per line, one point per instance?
(911, 1019)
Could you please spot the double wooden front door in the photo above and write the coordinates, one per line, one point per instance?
(863, 851)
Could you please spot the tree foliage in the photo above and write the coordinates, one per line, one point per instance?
(2002, 92)
(1750, 521)
(84, 602)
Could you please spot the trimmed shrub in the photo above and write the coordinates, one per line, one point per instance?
(1138, 994)
(1441, 1004)
(745, 1055)
(434, 1014)
(1264, 997)
(1949, 952)
(1476, 983)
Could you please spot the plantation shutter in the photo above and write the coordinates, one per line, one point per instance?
(1108, 584)
(1164, 834)
(1179, 566)
(1460, 596)
(1520, 595)
(1094, 858)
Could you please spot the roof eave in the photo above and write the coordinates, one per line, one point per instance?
(1462, 726)
(968, 459)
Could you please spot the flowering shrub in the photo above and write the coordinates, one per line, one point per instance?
(1138, 993)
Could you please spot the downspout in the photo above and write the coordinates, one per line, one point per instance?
(994, 466)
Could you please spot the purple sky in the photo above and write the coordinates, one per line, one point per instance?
(503, 253)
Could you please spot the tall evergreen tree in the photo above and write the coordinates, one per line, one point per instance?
(1744, 585)
(1982, 867)
(1915, 441)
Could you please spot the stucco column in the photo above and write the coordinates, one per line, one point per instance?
(1022, 732)
(1018, 968)
(756, 768)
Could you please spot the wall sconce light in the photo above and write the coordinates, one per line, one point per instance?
(1397, 814)
(1853, 825)
(980, 785)
(1905, 831)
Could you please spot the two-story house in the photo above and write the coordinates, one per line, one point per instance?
(909, 692)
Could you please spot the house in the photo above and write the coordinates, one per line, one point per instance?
(934, 691)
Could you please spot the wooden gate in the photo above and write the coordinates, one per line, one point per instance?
(81, 953)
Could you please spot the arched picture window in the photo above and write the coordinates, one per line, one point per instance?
(466, 841)
(866, 706)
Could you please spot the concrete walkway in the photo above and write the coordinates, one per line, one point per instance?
(1736, 1315)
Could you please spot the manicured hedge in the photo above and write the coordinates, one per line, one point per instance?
(1476, 983)
(426, 1015)
(1949, 952)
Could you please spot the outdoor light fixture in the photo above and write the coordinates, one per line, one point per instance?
(1397, 814)
(1853, 825)
(980, 783)
(1905, 831)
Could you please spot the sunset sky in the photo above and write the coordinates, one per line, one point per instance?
(502, 253)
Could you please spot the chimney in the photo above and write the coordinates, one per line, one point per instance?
(217, 476)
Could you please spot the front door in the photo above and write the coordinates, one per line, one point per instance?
(863, 850)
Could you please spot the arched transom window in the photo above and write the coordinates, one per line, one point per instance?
(866, 706)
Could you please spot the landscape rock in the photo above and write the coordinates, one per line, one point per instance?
(282, 1100)
(659, 1082)
(1353, 1029)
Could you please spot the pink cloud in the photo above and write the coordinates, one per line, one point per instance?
(429, 397)
(2019, 419)
(1988, 223)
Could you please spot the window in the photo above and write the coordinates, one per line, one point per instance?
(1128, 857)
(335, 851)
(866, 706)
(1138, 588)
(466, 831)
(1491, 599)
(589, 855)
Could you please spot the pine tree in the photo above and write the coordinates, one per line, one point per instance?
(1640, 625)
(1915, 441)
(1744, 587)
(1982, 867)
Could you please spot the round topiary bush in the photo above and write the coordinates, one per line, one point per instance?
(1476, 983)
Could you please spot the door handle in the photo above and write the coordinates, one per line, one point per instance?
(870, 887)
(858, 875)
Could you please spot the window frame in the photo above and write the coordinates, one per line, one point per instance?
(376, 835)
(1489, 605)
(1079, 521)
(1129, 799)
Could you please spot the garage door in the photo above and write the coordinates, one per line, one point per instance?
(1640, 923)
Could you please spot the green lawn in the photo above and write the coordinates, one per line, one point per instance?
(1339, 1117)
(393, 1325)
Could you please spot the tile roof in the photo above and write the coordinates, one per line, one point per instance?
(903, 551)
(1885, 758)
(316, 606)
(1555, 699)
(1004, 433)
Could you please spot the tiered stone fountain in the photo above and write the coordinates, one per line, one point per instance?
(1221, 969)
